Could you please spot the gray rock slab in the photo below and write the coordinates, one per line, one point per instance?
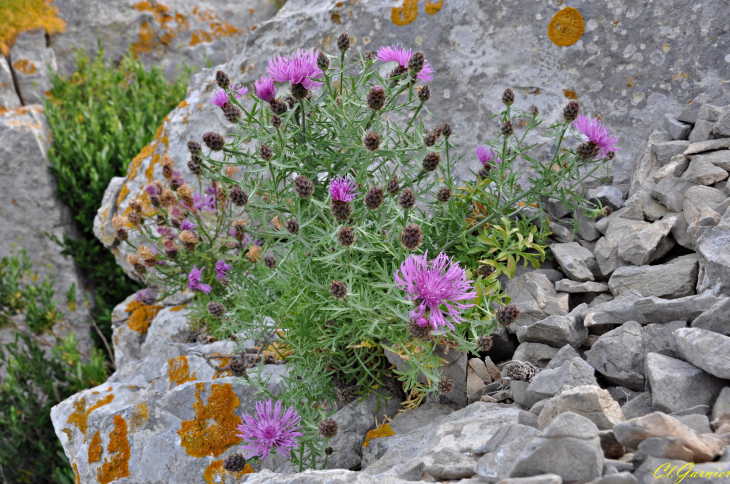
(577, 262)
(8, 96)
(720, 158)
(564, 354)
(648, 244)
(548, 383)
(702, 131)
(34, 64)
(702, 172)
(590, 401)
(618, 356)
(536, 297)
(705, 349)
(575, 287)
(555, 331)
(709, 112)
(665, 151)
(608, 196)
(538, 354)
(714, 258)
(660, 338)
(670, 192)
(722, 125)
(721, 408)
(638, 407)
(542, 479)
(673, 280)
(676, 129)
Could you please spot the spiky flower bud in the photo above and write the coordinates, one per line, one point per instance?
(328, 428)
(195, 166)
(299, 91)
(329, 451)
(343, 42)
(171, 249)
(610, 155)
(134, 218)
(338, 289)
(368, 56)
(415, 64)
(430, 138)
(508, 97)
(292, 226)
(411, 237)
(445, 385)
(371, 141)
(275, 120)
(213, 140)
(149, 257)
(216, 309)
(484, 271)
(194, 147)
(266, 152)
(188, 239)
(570, 111)
(587, 151)
(237, 366)
(374, 198)
(290, 102)
(431, 161)
(239, 229)
(393, 186)
(278, 107)
(484, 343)
(231, 112)
(323, 62)
(407, 199)
(269, 262)
(507, 129)
(168, 198)
(443, 194)
(418, 330)
(235, 462)
(534, 111)
(221, 78)
(508, 314)
(446, 130)
(137, 264)
(346, 236)
(303, 186)
(376, 98)
(239, 197)
(341, 210)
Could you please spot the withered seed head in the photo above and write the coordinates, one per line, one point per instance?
(443, 194)
(239, 197)
(338, 289)
(269, 262)
(431, 161)
(216, 309)
(393, 186)
(407, 199)
(508, 314)
(484, 342)
(374, 198)
(411, 237)
(188, 239)
(328, 428)
(445, 385)
(371, 141)
(266, 152)
(346, 236)
(303, 186)
(292, 226)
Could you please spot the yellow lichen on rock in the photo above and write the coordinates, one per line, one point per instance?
(405, 14)
(433, 7)
(216, 474)
(141, 316)
(382, 431)
(77, 477)
(117, 466)
(80, 416)
(566, 27)
(95, 448)
(139, 416)
(178, 371)
(22, 15)
(214, 427)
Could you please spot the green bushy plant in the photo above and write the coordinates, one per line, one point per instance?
(333, 211)
(100, 118)
(39, 370)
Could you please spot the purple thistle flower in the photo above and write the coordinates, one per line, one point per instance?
(194, 283)
(422, 321)
(152, 190)
(220, 98)
(297, 69)
(487, 156)
(187, 225)
(397, 53)
(177, 178)
(596, 131)
(206, 204)
(238, 90)
(343, 189)
(265, 89)
(221, 269)
(271, 428)
(146, 297)
(166, 231)
(435, 287)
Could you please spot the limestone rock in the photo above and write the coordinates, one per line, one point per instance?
(577, 262)
(702, 172)
(714, 258)
(720, 158)
(612, 448)
(608, 196)
(548, 383)
(8, 97)
(709, 112)
(676, 129)
(536, 297)
(564, 354)
(673, 280)
(653, 466)
(676, 168)
(721, 408)
(556, 331)
(698, 198)
(498, 464)
(648, 244)
(638, 407)
(705, 349)
(660, 338)
(569, 447)
(448, 464)
(702, 131)
(541, 479)
(703, 448)
(590, 401)
(617, 230)
(618, 356)
(538, 354)
(33, 65)
(677, 385)
(715, 318)
(665, 151)
(670, 192)
(717, 95)
(722, 126)
(618, 478)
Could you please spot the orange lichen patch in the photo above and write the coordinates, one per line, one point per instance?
(139, 416)
(23, 15)
(143, 45)
(566, 27)
(95, 448)
(570, 94)
(214, 428)
(177, 308)
(382, 431)
(117, 466)
(680, 76)
(335, 17)
(216, 474)
(405, 14)
(630, 81)
(222, 362)
(179, 371)
(25, 66)
(149, 172)
(141, 316)
(182, 104)
(80, 416)
(69, 433)
(77, 477)
(433, 7)
(199, 36)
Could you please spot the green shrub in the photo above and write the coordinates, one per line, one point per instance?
(100, 118)
(39, 370)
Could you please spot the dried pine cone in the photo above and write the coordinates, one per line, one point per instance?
(411, 237)
(216, 309)
(508, 314)
(407, 199)
(443, 194)
(371, 141)
(238, 196)
(338, 289)
(445, 385)
(484, 342)
(292, 226)
(374, 198)
(376, 98)
(346, 236)
(393, 186)
(570, 111)
(235, 462)
(508, 97)
(328, 428)
(303, 186)
(431, 161)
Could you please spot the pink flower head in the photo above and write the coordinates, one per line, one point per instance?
(343, 189)
(166, 232)
(187, 225)
(436, 287)
(206, 204)
(194, 283)
(299, 68)
(265, 89)
(400, 55)
(152, 190)
(221, 269)
(422, 321)
(238, 90)
(177, 178)
(220, 98)
(596, 131)
(270, 428)
(146, 297)
(487, 156)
